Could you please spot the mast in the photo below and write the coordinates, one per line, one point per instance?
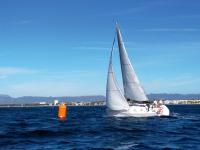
(132, 87)
(115, 100)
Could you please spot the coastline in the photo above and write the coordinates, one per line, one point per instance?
(91, 103)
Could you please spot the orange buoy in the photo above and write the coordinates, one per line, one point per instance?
(62, 111)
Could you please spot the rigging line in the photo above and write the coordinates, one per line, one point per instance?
(112, 47)
(113, 43)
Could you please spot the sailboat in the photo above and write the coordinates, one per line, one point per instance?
(117, 100)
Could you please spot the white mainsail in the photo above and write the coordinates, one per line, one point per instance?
(132, 87)
(115, 100)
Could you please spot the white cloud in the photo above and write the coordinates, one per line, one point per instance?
(193, 16)
(41, 88)
(133, 9)
(170, 29)
(3, 76)
(178, 84)
(90, 48)
(6, 71)
(50, 88)
(25, 21)
(71, 74)
(45, 83)
(127, 11)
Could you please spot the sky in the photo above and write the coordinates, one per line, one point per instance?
(62, 47)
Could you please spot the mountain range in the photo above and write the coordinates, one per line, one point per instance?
(6, 99)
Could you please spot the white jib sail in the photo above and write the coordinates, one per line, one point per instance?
(132, 87)
(115, 100)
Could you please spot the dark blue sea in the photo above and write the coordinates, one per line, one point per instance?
(92, 128)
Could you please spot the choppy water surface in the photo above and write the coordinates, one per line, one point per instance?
(92, 128)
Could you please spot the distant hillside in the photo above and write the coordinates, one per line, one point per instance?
(165, 96)
(6, 99)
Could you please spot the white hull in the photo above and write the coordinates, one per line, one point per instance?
(143, 111)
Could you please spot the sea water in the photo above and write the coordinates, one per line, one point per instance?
(92, 128)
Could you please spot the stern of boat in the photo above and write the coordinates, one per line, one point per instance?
(163, 111)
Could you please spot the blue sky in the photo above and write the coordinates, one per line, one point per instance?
(61, 48)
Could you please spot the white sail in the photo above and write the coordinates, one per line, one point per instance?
(132, 87)
(115, 100)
